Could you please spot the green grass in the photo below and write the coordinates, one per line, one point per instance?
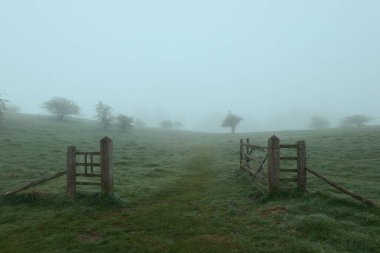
(183, 192)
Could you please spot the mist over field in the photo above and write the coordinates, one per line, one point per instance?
(179, 126)
(274, 63)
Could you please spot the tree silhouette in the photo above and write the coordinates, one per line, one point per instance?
(231, 121)
(104, 114)
(61, 107)
(355, 120)
(124, 122)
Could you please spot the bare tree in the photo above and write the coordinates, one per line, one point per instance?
(104, 114)
(61, 107)
(231, 121)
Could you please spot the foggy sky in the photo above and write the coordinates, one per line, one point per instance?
(275, 63)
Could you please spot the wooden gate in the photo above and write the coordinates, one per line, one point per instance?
(275, 162)
(90, 165)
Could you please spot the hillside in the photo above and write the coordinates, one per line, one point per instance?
(179, 191)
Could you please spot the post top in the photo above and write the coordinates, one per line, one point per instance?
(106, 138)
(274, 137)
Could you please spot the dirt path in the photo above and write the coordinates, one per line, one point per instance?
(191, 209)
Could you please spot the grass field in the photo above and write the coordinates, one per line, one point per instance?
(179, 191)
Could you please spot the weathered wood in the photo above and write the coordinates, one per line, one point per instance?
(342, 189)
(273, 163)
(92, 163)
(88, 183)
(87, 153)
(246, 157)
(289, 158)
(241, 153)
(85, 164)
(33, 183)
(243, 164)
(251, 171)
(301, 165)
(87, 175)
(106, 166)
(71, 171)
(253, 158)
(247, 149)
(88, 164)
(288, 145)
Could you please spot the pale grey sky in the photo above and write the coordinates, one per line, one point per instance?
(275, 63)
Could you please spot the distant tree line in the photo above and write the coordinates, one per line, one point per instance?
(61, 108)
(357, 120)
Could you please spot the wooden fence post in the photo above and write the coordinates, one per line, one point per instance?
(247, 148)
(301, 165)
(273, 163)
(106, 167)
(241, 153)
(71, 171)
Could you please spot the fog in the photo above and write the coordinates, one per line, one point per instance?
(274, 63)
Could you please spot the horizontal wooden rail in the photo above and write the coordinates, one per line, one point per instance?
(88, 183)
(253, 158)
(256, 147)
(288, 145)
(342, 189)
(87, 153)
(87, 175)
(249, 160)
(33, 183)
(88, 164)
(252, 170)
(248, 166)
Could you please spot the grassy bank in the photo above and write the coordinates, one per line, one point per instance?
(183, 192)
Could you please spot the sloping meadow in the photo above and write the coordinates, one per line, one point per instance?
(179, 191)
